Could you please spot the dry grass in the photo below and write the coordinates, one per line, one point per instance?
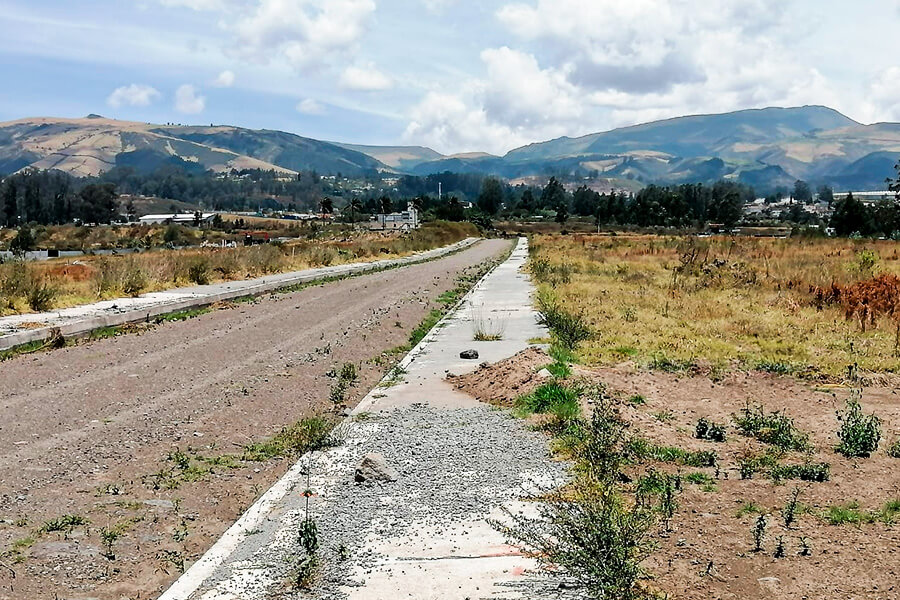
(678, 302)
(95, 278)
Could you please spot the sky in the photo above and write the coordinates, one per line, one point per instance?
(454, 75)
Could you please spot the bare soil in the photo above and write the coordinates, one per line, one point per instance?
(83, 427)
(708, 553)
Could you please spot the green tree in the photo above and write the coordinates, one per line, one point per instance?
(553, 195)
(98, 203)
(326, 206)
(826, 194)
(10, 203)
(491, 197)
(385, 206)
(802, 192)
(851, 216)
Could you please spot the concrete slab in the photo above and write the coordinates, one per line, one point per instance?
(428, 534)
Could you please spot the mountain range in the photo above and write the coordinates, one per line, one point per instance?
(766, 148)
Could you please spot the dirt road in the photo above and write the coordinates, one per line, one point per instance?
(82, 428)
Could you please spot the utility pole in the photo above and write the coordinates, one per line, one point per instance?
(440, 194)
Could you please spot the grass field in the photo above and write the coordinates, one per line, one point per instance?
(26, 287)
(682, 303)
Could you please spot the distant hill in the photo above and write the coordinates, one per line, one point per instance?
(402, 158)
(768, 147)
(94, 144)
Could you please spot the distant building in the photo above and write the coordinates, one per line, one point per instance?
(186, 218)
(402, 221)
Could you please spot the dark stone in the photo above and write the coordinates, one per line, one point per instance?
(469, 354)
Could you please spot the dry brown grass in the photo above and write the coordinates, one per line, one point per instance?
(94, 278)
(678, 302)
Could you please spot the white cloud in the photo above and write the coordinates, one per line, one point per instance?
(307, 33)
(188, 100)
(366, 78)
(198, 5)
(225, 79)
(133, 95)
(310, 107)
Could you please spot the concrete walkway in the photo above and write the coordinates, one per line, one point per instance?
(81, 320)
(426, 535)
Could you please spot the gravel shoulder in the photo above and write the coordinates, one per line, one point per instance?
(83, 426)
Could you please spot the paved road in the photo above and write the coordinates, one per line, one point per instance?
(75, 420)
(425, 536)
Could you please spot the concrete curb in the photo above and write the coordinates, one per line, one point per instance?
(198, 573)
(83, 328)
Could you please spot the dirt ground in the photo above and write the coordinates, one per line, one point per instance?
(708, 553)
(83, 427)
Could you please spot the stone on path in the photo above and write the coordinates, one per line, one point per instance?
(469, 354)
(375, 468)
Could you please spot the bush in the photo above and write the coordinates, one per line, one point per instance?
(774, 428)
(592, 537)
(808, 471)
(894, 449)
(198, 271)
(569, 329)
(551, 399)
(41, 296)
(859, 434)
(134, 281)
(709, 430)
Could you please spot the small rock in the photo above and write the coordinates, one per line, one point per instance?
(469, 354)
(544, 374)
(374, 468)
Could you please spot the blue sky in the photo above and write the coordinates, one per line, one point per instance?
(451, 74)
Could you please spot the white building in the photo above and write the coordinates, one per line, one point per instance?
(186, 218)
(402, 221)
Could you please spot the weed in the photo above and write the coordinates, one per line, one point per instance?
(559, 370)
(65, 523)
(789, 512)
(859, 434)
(894, 449)
(808, 471)
(636, 399)
(642, 450)
(774, 428)
(171, 557)
(805, 547)
(749, 508)
(663, 416)
(698, 478)
(306, 435)
(549, 398)
(776, 367)
(108, 537)
(41, 296)
(348, 373)
(486, 329)
(759, 533)
(848, 513)
(709, 430)
(749, 463)
(779, 547)
(661, 362)
(568, 328)
(590, 535)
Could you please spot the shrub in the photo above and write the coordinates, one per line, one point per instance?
(709, 430)
(198, 271)
(894, 449)
(641, 449)
(859, 434)
(134, 280)
(570, 329)
(41, 296)
(591, 536)
(774, 428)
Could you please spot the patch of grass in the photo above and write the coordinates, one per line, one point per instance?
(558, 370)
(661, 362)
(749, 508)
(568, 328)
(699, 478)
(182, 315)
(65, 523)
(894, 449)
(808, 471)
(664, 416)
(774, 428)
(17, 551)
(849, 513)
(563, 355)
(306, 435)
(636, 399)
(751, 463)
(22, 349)
(641, 449)
(776, 367)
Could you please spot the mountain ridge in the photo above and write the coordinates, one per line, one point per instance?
(770, 146)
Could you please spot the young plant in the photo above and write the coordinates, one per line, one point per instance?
(773, 428)
(789, 512)
(779, 547)
(894, 449)
(859, 434)
(709, 430)
(759, 533)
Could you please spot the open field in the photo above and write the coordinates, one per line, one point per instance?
(27, 287)
(129, 456)
(729, 409)
(682, 303)
(701, 499)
